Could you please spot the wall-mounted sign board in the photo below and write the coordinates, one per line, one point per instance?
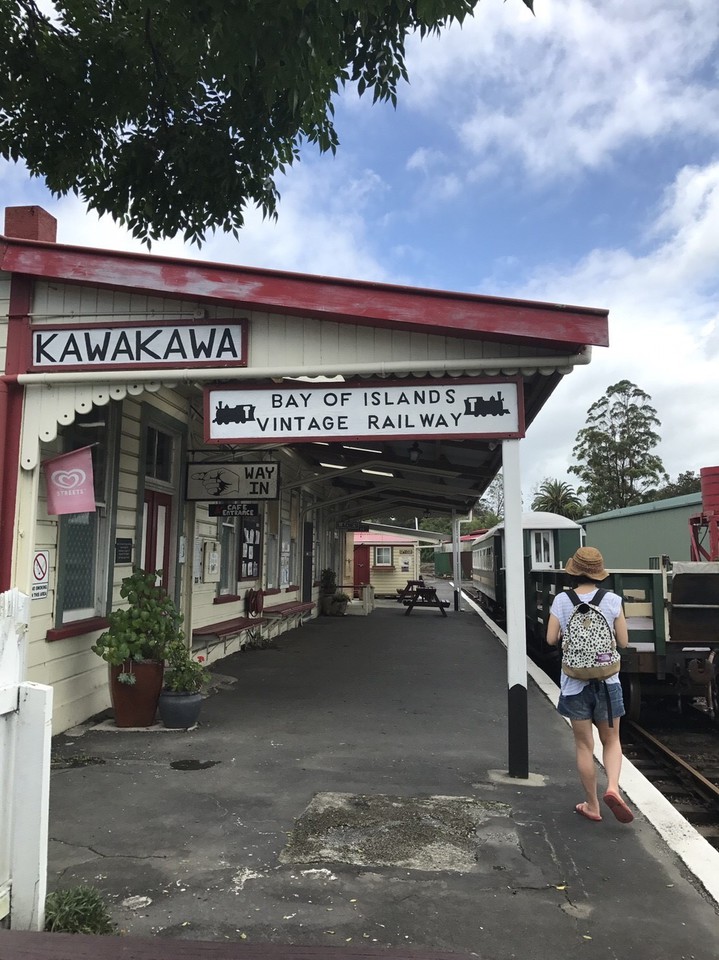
(233, 508)
(458, 408)
(233, 481)
(126, 346)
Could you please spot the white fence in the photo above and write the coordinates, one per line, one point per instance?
(25, 733)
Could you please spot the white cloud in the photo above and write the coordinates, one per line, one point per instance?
(663, 333)
(569, 90)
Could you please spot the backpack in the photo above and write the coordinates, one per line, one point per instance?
(589, 650)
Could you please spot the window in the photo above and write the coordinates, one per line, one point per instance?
(240, 551)
(84, 538)
(251, 546)
(227, 535)
(383, 556)
(158, 455)
(542, 548)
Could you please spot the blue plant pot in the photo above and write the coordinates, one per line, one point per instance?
(179, 710)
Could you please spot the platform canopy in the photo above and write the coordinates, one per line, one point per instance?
(308, 332)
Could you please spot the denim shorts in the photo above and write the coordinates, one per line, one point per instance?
(591, 703)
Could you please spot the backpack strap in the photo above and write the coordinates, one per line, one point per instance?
(607, 697)
(573, 597)
(596, 599)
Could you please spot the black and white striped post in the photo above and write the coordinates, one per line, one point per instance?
(518, 735)
(456, 560)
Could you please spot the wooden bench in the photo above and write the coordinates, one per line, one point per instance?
(225, 629)
(291, 608)
(404, 592)
(424, 597)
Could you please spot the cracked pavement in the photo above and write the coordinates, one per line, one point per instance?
(247, 840)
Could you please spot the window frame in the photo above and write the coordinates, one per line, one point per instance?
(106, 451)
(383, 563)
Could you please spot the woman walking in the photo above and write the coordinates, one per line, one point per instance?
(595, 701)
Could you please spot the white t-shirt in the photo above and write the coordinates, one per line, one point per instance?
(562, 606)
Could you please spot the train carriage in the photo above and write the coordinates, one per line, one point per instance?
(547, 538)
(672, 610)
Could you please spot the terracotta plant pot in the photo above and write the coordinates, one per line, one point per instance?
(179, 711)
(135, 705)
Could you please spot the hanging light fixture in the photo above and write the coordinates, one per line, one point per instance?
(414, 452)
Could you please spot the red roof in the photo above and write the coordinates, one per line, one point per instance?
(383, 538)
(327, 298)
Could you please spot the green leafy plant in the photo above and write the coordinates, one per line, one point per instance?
(78, 909)
(328, 582)
(185, 674)
(144, 630)
(340, 597)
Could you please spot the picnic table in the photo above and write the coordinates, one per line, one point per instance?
(418, 594)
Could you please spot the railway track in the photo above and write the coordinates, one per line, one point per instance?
(681, 760)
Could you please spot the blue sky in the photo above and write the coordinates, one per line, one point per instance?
(571, 157)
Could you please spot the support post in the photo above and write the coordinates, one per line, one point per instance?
(31, 796)
(456, 561)
(518, 735)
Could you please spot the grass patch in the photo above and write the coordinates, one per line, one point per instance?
(78, 909)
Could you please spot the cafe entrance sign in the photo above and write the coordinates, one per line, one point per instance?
(386, 409)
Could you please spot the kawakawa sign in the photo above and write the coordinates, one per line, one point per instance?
(334, 411)
(125, 346)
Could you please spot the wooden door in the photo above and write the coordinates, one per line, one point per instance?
(361, 566)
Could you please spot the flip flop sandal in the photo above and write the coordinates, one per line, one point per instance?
(618, 807)
(584, 813)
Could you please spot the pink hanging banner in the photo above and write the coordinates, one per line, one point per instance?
(70, 482)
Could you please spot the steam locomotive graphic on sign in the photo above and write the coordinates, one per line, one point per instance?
(241, 413)
(491, 407)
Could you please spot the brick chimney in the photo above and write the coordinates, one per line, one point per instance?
(30, 223)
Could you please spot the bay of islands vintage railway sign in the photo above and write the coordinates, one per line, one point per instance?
(122, 345)
(390, 409)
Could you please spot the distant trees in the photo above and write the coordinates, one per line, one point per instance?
(614, 451)
(557, 496)
(687, 482)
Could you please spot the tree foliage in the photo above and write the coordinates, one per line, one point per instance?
(615, 462)
(556, 496)
(687, 482)
(174, 117)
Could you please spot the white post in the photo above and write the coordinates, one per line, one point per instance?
(456, 561)
(515, 606)
(31, 797)
(25, 738)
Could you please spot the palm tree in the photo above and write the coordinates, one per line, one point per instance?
(556, 496)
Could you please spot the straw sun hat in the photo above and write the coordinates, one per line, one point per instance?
(587, 562)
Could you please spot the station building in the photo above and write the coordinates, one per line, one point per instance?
(238, 422)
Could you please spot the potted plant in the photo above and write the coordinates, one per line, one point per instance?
(339, 603)
(135, 646)
(181, 696)
(328, 588)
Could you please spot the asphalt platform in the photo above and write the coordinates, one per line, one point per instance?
(347, 788)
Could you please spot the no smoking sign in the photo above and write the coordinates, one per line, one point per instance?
(40, 574)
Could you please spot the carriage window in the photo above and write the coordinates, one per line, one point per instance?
(542, 548)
